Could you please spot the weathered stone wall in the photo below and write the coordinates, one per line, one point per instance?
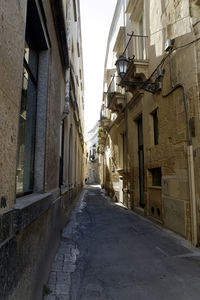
(114, 163)
(92, 172)
(30, 225)
(178, 20)
(175, 22)
(56, 94)
(29, 239)
(195, 18)
(167, 20)
(12, 29)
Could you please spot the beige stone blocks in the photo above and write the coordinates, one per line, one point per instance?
(174, 215)
(12, 29)
(12, 26)
(8, 149)
(155, 208)
(163, 20)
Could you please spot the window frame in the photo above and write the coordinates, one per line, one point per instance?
(40, 43)
(27, 181)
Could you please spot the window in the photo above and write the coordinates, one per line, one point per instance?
(141, 160)
(122, 150)
(62, 146)
(141, 39)
(72, 51)
(156, 176)
(155, 127)
(27, 122)
(28, 156)
(75, 10)
(78, 49)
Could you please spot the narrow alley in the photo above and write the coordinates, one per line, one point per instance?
(99, 150)
(109, 252)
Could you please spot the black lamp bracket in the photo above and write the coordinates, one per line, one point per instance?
(151, 87)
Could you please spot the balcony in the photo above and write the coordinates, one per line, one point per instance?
(115, 96)
(105, 123)
(101, 132)
(138, 51)
(102, 140)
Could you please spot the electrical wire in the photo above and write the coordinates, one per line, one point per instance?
(168, 54)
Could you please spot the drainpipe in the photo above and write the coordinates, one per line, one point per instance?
(190, 158)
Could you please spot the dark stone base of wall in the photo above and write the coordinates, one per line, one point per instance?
(29, 237)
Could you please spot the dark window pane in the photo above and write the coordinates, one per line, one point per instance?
(75, 10)
(124, 150)
(141, 160)
(140, 132)
(27, 123)
(156, 176)
(155, 126)
(31, 58)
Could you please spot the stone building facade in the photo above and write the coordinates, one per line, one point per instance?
(41, 134)
(92, 157)
(150, 157)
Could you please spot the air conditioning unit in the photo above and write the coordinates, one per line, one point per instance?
(169, 45)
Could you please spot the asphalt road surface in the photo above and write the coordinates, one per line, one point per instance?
(108, 252)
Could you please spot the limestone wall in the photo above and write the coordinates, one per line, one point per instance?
(163, 20)
(12, 29)
(30, 225)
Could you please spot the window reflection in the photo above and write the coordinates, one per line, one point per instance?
(27, 124)
(26, 52)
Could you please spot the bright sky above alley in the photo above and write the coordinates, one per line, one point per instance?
(96, 17)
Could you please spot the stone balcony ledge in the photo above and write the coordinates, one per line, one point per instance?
(105, 123)
(116, 102)
(138, 70)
